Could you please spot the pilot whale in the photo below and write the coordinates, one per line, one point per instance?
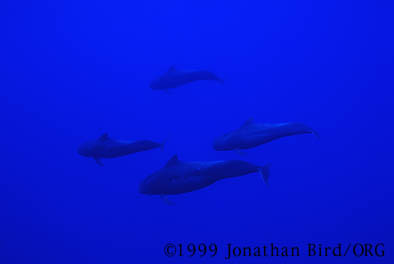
(178, 177)
(105, 147)
(252, 134)
(174, 78)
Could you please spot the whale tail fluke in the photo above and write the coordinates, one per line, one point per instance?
(212, 76)
(314, 132)
(265, 172)
(220, 80)
(163, 144)
(217, 78)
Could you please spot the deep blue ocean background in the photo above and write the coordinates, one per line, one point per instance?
(72, 70)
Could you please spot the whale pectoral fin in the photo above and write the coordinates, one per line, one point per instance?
(265, 172)
(166, 200)
(98, 161)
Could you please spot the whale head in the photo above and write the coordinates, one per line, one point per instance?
(164, 82)
(155, 85)
(152, 184)
(86, 149)
(164, 180)
(225, 142)
(167, 80)
(89, 148)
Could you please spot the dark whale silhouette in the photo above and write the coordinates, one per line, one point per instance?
(178, 177)
(174, 78)
(105, 147)
(252, 134)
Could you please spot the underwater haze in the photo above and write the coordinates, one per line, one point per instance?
(72, 71)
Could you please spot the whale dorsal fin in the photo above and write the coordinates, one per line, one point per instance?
(104, 137)
(172, 69)
(248, 122)
(173, 161)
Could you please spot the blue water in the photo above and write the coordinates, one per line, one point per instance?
(72, 70)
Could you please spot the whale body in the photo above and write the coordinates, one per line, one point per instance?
(178, 177)
(252, 134)
(105, 147)
(174, 78)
